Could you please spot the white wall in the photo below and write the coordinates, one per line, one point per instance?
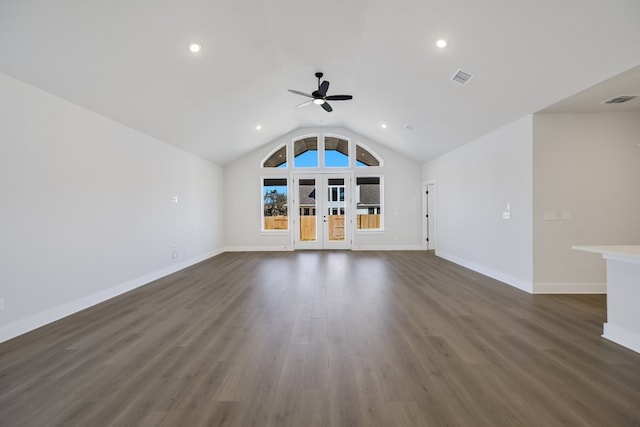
(587, 166)
(402, 201)
(475, 184)
(86, 210)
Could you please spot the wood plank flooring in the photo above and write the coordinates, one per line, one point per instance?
(324, 339)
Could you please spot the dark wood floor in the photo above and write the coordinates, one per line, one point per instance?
(324, 339)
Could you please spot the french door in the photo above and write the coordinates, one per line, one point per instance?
(321, 216)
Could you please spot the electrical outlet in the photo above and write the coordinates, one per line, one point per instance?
(174, 252)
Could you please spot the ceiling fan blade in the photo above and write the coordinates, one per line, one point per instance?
(327, 107)
(297, 92)
(323, 88)
(305, 103)
(338, 97)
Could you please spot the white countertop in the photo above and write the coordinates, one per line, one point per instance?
(626, 253)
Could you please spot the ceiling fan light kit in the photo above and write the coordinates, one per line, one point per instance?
(319, 96)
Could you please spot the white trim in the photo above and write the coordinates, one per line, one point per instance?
(38, 320)
(570, 288)
(622, 336)
(282, 248)
(523, 285)
(354, 248)
(388, 248)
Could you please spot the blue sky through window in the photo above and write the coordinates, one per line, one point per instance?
(308, 159)
(282, 189)
(333, 158)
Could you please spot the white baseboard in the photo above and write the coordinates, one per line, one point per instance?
(523, 285)
(258, 248)
(35, 321)
(354, 248)
(388, 248)
(570, 288)
(624, 337)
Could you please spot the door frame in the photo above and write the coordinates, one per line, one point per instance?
(322, 241)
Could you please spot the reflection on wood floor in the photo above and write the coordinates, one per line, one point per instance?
(324, 339)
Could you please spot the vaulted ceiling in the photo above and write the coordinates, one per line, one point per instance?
(129, 61)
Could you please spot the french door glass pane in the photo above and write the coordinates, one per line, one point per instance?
(308, 221)
(336, 209)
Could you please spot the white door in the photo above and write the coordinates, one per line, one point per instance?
(322, 214)
(429, 215)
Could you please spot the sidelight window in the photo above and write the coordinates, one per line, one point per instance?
(275, 204)
(369, 203)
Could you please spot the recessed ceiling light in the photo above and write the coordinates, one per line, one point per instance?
(195, 47)
(441, 43)
(383, 126)
(258, 127)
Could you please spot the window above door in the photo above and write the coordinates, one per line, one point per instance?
(336, 152)
(321, 152)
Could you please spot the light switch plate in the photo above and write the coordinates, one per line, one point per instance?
(550, 215)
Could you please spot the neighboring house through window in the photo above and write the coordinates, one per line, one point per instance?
(368, 203)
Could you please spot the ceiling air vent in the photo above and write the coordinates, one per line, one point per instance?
(619, 99)
(461, 77)
(409, 127)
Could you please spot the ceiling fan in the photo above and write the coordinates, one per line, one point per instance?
(319, 97)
